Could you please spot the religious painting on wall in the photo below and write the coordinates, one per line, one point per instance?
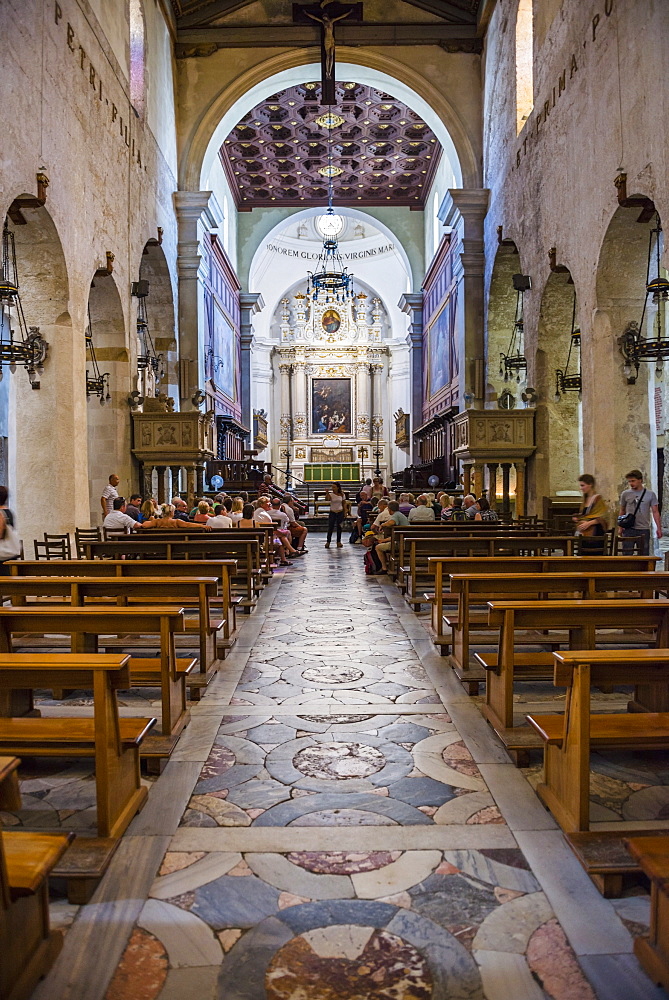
(220, 360)
(331, 321)
(439, 340)
(331, 406)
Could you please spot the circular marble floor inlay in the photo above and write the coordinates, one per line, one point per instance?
(337, 720)
(339, 760)
(342, 862)
(332, 628)
(333, 674)
(348, 962)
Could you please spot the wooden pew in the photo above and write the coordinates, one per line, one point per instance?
(443, 567)
(113, 742)
(652, 856)
(85, 626)
(246, 552)
(414, 574)
(477, 589)
(79, 591)
(222, 569)
(28, 947)
(583, 620)
(220, 537)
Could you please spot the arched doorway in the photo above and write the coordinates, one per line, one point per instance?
(108, 419)
(558, 414)
(619, 423)
(43, 427)
(501, 316)
(159, 306)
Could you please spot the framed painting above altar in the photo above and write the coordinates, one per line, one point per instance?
(331, 406)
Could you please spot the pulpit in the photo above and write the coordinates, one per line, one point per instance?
(488, 439)
(178, 443)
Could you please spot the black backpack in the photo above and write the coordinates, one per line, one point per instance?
(458, 515)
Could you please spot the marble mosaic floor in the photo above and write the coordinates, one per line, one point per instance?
(339, 822)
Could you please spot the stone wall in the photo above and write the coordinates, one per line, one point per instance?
(65, 95)
(599, 109)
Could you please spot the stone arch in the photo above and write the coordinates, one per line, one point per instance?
(557, 421)
(500, 315)
(262, 79)
(160, 306)
(621, 420)
(109, 431)
(44, 426)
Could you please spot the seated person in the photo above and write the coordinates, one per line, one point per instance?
(484, 511)
(469, 506)
(456, 512)
(405, 503)
(237, 512)
(180, 509)
(220, 518)
(262, 516)
(203, 512)
(165, 519)
(383, 513)
(446, 506)
(365, 508)
(399, 520)
(246, 520)
(147, 510)
(133, 505)
(297, 530)
(378, 489)
(433, 502)
(366, 491)
(282, 524)
(227, 503)
(421, 514)
(118, 520)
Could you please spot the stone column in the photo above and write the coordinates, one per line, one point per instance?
(412, 304)
(520, 488)
(147, 481)
(190, 207)
(199, 478)
(250, 303)
(492, 489)
(467, 479)
(190, 485)
(286, 416)
(377, 394)
(300, 420)
(465, 211)
(175, 470)
(363, 421)
(506, 469)
(478, 480)
(161, 470)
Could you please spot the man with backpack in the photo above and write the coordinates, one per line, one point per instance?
(456, 513)
(637, 504)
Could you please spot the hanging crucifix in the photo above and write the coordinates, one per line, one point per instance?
(327, 13)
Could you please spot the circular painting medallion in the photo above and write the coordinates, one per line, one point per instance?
(331, 321)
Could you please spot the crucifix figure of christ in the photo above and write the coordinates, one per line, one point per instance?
(328, 47)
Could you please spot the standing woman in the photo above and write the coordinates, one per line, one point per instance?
(335, 497)
(591, 521)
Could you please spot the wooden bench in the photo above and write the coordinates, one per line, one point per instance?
(219, 538)
(28, 946)
(475, 590)
(652, 856)
(87, 628)
(82, 591)
(413, 575)
(567, 739)
(222, 569)
(112, 741)
(247, 579)
(583, 622)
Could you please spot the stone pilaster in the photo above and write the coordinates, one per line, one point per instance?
(250, 304)
(412, 304)
(465, 210)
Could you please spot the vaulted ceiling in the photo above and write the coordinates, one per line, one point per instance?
(382, 151)
(206, 25)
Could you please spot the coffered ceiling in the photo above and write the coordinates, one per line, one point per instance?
(382, 151)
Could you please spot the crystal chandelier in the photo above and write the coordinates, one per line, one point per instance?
(564, 381)
(331, 281)
(635, 346)
(147, 358)
(97, 384)
(30, 349)
(514, 361)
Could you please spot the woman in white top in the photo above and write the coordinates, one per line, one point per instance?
(335, 497)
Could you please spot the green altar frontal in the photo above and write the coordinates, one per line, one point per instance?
(329, 472)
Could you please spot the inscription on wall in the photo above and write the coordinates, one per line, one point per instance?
(92, 81)
(534, 126)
